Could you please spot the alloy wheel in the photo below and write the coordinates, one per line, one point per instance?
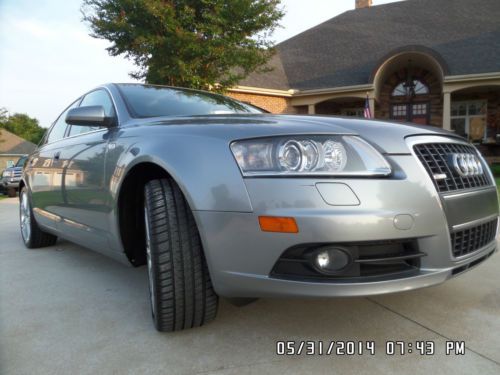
(25, 217)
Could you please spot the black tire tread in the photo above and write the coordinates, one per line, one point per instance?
(183, 290)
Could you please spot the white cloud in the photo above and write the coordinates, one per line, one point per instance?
(33, 28)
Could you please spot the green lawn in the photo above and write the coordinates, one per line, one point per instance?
(495, 169)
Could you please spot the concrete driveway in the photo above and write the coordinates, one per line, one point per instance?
(67, 310)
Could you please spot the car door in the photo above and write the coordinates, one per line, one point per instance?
(85, 197)
(44, 173)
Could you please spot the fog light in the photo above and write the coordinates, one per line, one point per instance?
(331, 259)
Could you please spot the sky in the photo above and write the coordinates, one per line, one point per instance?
(48, 59)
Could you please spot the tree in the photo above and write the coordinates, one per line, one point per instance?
(24, 126)
(4, 114)
(190, 43)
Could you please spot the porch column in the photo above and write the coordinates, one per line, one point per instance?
(446, 110)
(371, 103)
(311, 109)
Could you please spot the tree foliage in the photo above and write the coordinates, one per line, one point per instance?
(4, 114)
(22, 125)
(190, 43)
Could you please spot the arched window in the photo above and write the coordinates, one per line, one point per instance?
(416, 87)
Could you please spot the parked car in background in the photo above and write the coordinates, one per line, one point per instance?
(217, 198)
(12, 176)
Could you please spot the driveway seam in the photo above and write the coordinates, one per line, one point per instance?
(430, 329)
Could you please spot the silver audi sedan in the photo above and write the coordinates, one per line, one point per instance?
(218, 198)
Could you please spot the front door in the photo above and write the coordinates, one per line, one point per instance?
(44, 174)
(85, 197)
(417, 113)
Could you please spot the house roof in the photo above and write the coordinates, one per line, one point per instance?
(11, 144)
(346, 49)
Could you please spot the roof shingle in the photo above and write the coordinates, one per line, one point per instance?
(11, 144)
(344, 50)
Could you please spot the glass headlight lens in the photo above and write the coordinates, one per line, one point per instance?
(335, 156)
(309, 155)
(290, 156)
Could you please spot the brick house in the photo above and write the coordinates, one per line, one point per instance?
(433, 62)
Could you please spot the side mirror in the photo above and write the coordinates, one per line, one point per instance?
(93, 115)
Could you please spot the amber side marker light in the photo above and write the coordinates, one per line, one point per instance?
(278, 224)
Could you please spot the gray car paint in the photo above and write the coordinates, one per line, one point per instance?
(195, 152)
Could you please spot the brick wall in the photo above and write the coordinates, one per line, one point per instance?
(273, 104)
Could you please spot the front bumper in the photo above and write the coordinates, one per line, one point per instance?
(241, 257)
(10, 183)
(232, 284)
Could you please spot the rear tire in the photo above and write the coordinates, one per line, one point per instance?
(181, 292)
(33, 237)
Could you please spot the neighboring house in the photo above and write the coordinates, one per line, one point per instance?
(12, 148)
(434, 62)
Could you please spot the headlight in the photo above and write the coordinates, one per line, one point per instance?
(7, 174)
(309, 155)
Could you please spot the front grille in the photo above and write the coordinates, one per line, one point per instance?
(468, 240)
(435, 156)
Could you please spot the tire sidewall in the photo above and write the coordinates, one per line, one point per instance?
(151, 264)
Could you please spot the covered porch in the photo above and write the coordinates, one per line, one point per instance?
(414, 87)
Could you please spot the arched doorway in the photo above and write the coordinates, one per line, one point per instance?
(410, 96)
(408, 87)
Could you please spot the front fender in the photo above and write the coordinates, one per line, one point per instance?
(202, 166)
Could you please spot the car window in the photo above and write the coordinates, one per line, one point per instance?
(59, 128)
(153, 101)
(21, 161)
(97, 97)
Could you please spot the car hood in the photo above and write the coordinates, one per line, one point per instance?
(387, 136)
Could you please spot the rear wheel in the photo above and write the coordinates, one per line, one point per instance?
(179, 282)
(33, 236)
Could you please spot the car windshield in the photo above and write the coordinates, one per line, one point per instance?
(155, 101)
(21, 161)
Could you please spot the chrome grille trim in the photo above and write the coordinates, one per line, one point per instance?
(434, 157)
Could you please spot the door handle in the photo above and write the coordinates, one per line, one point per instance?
(57, 155)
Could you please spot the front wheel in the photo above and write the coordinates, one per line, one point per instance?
(33, 236)
(179, 282)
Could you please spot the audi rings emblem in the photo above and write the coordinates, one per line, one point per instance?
(466, 165)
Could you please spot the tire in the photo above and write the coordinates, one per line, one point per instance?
(181, 292)
(11, 192)
(33, 237)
